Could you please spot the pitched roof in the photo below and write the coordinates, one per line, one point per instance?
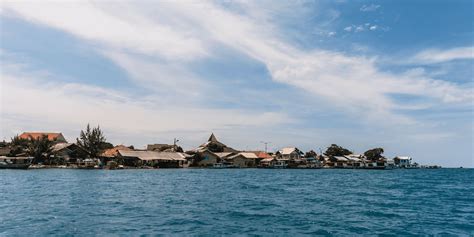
(113, 152)
(213, 141)
(153, 155)
(247, 155)
(288, 150)
(262, 155)
(35, 135)
(60, 146)
(224, 154)
(403, 158)
(340, 158)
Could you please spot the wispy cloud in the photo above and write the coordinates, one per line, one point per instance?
(443, 55)
(75, 104)
(174, 34)
(369, 8)
(364, 27)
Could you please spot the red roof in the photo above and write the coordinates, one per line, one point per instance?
(263, 155)
(113, 152)
(36, 135)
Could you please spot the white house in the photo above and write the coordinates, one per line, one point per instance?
(402, 161)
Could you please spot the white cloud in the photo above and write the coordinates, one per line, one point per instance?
(175, 33)
(348, 28)
(374, 27)
(71, 105)
(359, 28)
(439, 56)
(369, 8)
(111, 26)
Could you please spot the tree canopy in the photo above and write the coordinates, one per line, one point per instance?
(40, 148)
(93, 140)
(310, 154)
(335, 150)
(18, 146)
(374, 154)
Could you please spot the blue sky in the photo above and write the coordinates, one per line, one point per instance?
(362, 74)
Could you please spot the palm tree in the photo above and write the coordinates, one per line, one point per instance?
(18, 145)
(40, 148)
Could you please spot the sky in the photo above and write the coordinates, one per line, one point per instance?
(360, 74)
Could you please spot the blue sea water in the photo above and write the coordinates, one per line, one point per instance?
(209, 202)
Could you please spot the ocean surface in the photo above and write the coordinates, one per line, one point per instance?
(211, 202)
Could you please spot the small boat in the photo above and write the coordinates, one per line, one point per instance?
(223, 165)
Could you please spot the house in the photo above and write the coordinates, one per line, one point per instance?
(268, 162)
(340, 162)
(355, 161)
(262, 155)
(152, 158)
(289, 153)
(56, 137)
(243, 159)
(402, 161)
(376, 164)
(113, 152)
(164, 147)
(206, 158)
(69, 152)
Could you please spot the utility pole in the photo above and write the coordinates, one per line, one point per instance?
(174, 144)
(266, 145)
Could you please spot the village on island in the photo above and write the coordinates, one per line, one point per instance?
(91, 151)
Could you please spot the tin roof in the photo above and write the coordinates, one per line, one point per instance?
(153, 155)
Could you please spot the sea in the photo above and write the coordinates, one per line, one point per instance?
(237, 202)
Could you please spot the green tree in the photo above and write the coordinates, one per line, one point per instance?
(310, 154)
(93, 140)
(18, 146)
(40, 148)
(335, 150)
(374, 154)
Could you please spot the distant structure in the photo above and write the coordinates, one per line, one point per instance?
(402, 161)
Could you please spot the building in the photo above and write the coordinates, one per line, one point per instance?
(262, 155)
(205, 158)
(289, 153)
(402, 161)
(214, 145)
(243, 160)
(69, 152)
(340, 162)
(152, 158)
(268, 162)
(355, 161)
(56, 137)
(111, 155)
(164, 147)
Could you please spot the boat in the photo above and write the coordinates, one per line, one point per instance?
(280, 164)
(223, 165)
(15, 162)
